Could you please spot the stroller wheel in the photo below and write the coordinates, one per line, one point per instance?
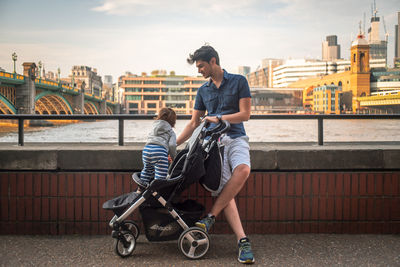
(130, 226)
(194, 243)
(125, 244)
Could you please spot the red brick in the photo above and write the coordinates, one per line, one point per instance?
(13, 184)
(259, 184)
(94, 209)
(315, 184)
(93, 184)
(127, 183)
(70, 184)
(119, 185)
(387, 184)
(354, 209)
(282, 185)
(62, 209)
(314, 208)
(387, 209)
(306, 227)
(323, 185)
(78, 211)
(298, 228)
(250, 185)
(299, 184)
(274, 208)
(242, 207)
(338, 214)
(339, 184)
(363, 184)
(102, 184)
(20, 209)
(249, 228)
(37, 209)
(86, 209)
(110, 185)
(282, 208)
(45, 209)
(370, 184)
(347, 184)
(379, 184)
(330, 209)
(28, 185)
(306, 214)
(322, 209)
(53, 209)
(354, 184)
(395, 184)
(69, 212)
(78, 184)
(28, 209)
(395, 211)
(290, 209)
(45, 184)
(314, 228)
(274, 185)
(370, 209)
(20, 184)
(86, 185)
(266, 209)
(298, 209)
(281, 229)
(258, 209)
(62, 185)
(307, 184)
(53, 185)
(4, 208)
(258, 228)
(331, 184)
(290, 228)
(362, 209)
(378, 211)
(4, 185)
(290, 185)
(266, 182)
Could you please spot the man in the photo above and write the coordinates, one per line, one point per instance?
(225, 97)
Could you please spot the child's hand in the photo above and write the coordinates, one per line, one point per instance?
(169, 159)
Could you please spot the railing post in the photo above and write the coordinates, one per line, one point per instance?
(121, 132)
(320, 131)
(20, 131)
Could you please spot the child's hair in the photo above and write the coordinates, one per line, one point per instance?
(168, 115)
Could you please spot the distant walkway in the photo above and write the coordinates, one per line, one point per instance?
(270, 250)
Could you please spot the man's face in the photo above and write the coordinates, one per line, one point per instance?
(204, 68)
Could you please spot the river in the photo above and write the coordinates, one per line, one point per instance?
(258, 130)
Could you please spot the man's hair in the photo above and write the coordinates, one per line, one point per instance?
(168, 115)
(204, 53)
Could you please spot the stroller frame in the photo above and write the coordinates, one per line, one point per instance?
(193, 242)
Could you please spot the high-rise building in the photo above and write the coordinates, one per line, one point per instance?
(397, 42)
(330, 49)
(378, 47)
(244, 70)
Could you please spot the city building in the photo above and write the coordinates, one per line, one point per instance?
(263, 77)
(326, 99)
(148, 94)
(397, 42)
(330, 49)
(276, 100)
(85, 78)
(243, 70)
(378, 47)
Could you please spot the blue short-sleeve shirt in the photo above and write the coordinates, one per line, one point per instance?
(224, 100)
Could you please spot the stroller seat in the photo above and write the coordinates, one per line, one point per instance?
(156, 184)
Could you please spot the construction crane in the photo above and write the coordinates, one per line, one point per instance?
(384, 27)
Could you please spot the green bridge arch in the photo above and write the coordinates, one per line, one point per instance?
(47, 93)
(7, 104)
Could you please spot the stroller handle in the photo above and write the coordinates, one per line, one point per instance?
(222, 127)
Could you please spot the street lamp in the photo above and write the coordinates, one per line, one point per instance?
(14, 58)
(40, 69)
(59, 71)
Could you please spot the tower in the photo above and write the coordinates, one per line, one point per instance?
(397, 43)
(330, 49)
(360, 71)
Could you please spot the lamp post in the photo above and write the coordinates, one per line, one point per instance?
(40, 69)
(59, 71)
(14, 58)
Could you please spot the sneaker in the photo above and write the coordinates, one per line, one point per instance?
(206, 223)
(245, 254)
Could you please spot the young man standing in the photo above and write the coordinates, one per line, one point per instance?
(225, 97)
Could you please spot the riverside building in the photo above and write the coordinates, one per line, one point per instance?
(148, 94)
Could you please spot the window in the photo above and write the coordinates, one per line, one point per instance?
(133, 82)
(133, 105)
(151, 97)
(151, 105)
(151, 82)
(149, 90)
(133, 97)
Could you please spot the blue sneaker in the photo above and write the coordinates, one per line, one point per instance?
(245, 254)
(206, 223)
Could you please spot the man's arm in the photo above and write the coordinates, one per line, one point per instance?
(238, 117)
(190, 127)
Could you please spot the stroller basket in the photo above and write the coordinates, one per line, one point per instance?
(159, 225)
(119, 204)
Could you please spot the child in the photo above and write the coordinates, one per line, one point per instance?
(160, 142)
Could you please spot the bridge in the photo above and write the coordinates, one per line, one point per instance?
(28, 94)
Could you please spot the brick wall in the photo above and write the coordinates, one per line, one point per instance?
(281, 202)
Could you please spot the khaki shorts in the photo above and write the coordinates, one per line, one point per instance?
(236, 152)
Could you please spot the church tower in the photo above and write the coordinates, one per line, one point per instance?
(360, 70)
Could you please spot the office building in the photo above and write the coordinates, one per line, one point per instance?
(244, 70)
(330, 49)
(397, 42)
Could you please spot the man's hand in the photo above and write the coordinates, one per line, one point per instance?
(212, 119)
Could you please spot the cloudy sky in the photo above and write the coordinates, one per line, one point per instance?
(115, 36)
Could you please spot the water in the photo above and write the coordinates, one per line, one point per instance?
(257, 130)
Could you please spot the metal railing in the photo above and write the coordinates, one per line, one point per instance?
(122, 117)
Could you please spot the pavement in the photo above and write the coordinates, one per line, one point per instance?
(269, 250)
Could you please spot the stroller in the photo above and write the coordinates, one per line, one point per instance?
(163, 217)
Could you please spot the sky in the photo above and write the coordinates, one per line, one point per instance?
(115, 36)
